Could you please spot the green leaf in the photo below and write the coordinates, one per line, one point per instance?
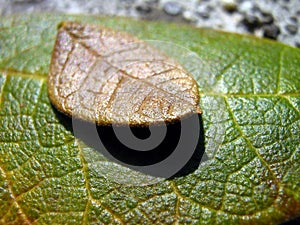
(250, 100)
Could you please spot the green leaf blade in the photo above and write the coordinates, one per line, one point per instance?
(250, 98)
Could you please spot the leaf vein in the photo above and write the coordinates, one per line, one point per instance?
(87, 186)
(248, 141)
(17, 205)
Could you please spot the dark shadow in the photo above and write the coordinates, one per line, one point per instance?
(116, 151)
(198, 156)
(293, 221)
(139, 158)
(66, 121)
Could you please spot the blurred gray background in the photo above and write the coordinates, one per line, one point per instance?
(274, 19)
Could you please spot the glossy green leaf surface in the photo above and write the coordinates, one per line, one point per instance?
(250, 96)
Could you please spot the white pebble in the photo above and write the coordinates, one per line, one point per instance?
(189, 16)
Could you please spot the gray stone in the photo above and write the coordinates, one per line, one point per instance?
(229, 5)
(172, 8)
(143, 8)
(292, 29)
(271, 31)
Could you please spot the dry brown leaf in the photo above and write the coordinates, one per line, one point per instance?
(109, 77)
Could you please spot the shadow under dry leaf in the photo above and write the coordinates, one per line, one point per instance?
(117, 151)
